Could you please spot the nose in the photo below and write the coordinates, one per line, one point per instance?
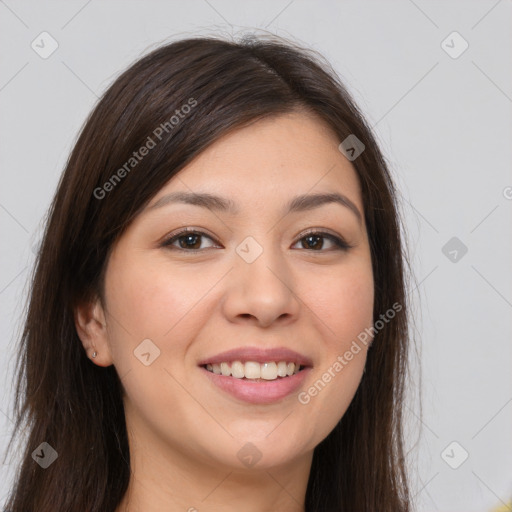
(261, 292)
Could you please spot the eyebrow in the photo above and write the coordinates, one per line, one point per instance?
(299, 203)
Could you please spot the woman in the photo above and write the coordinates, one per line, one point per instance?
(222, 250)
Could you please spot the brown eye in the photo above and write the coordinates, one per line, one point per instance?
(315, 241)
(187, 239)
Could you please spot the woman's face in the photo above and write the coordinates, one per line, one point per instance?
(250, 286)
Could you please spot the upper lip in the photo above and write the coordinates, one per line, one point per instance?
(258, 355)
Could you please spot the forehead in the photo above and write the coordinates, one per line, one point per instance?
(273, 158)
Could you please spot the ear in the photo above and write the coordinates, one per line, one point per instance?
(92, 330)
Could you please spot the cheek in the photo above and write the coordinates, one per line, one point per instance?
(149, 300)
(344, 303)
(344, 307)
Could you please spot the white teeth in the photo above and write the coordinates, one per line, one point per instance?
(253, 370)
(269, 371)
(237, 370)
(281, 369)
(225, 369)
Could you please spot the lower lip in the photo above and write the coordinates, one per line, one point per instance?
(258, 392)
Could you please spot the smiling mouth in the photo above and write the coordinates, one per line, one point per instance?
(254, 371)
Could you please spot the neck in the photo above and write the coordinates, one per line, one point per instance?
(173, 478)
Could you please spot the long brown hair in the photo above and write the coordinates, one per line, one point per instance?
(75, 406)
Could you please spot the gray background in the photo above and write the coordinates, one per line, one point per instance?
(444, 125)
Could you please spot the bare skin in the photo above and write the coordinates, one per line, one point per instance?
(304, 294)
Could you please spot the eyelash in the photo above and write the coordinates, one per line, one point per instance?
(337, 241)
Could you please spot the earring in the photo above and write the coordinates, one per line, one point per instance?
(94, 354)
